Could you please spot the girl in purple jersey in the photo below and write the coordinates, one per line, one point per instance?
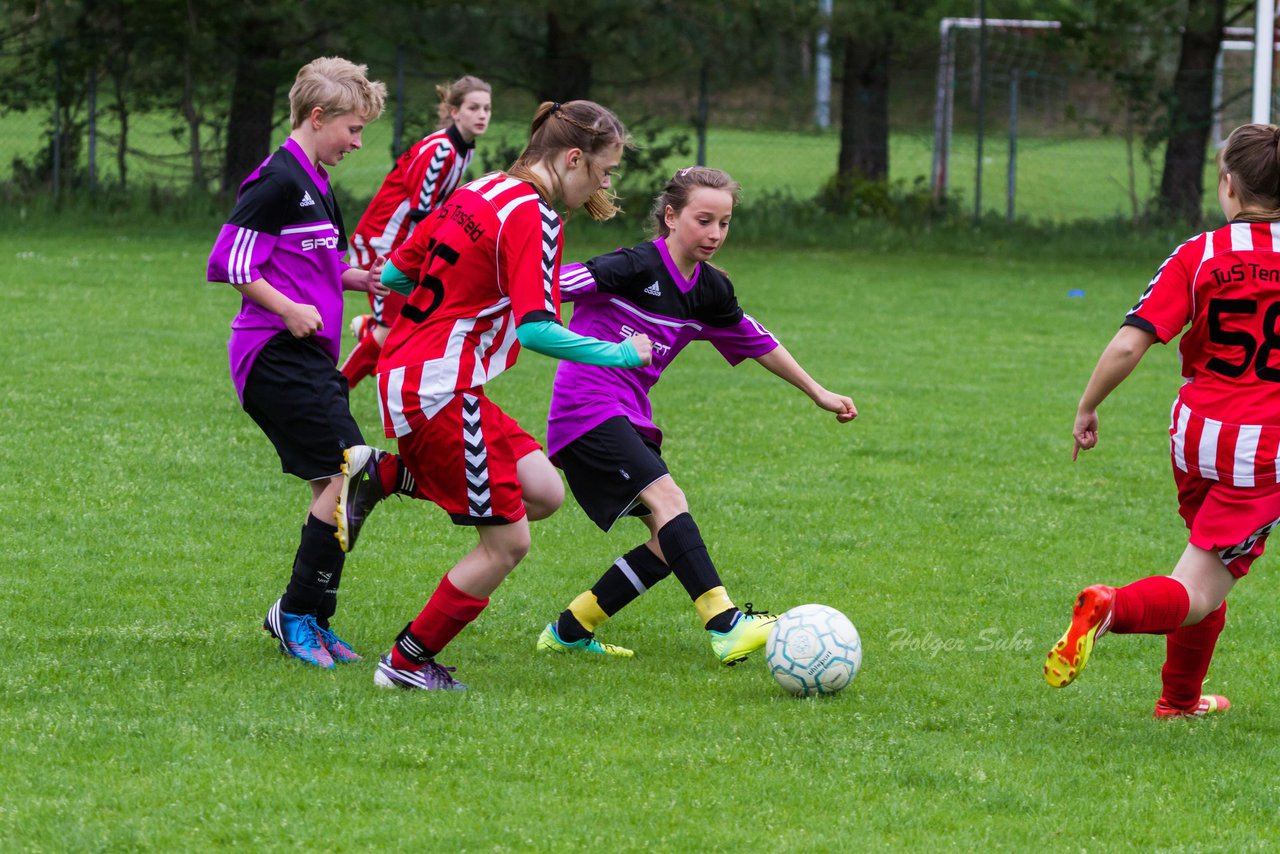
(600, 429)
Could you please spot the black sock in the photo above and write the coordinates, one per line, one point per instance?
(318, 561)
(723, 621)
(622, 583)
(411, 649)
(687, 555)
(405, 484)
(329, 601)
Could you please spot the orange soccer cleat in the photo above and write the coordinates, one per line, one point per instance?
(1089, 618)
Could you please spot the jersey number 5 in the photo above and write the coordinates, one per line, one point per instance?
(1243, 340)
(447, 254)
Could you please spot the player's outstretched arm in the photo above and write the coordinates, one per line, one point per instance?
(551, 339)
(1115, 364)
(780, 362)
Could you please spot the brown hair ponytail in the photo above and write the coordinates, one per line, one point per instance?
(1252, 158)
(558, 127)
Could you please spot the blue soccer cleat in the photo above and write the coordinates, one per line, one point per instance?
(339, 650)
(299, 636)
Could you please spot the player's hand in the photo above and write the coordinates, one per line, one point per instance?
(374, 285)
(303, 320)
(643, 346)
(839, 404)
(1085, 432)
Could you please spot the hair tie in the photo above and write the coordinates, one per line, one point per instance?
(555, 106)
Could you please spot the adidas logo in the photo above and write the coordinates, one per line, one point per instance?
(653, 290)
(307, 201)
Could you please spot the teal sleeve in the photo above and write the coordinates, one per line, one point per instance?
(397, 281)
(551, 339)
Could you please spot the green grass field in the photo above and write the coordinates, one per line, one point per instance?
(1059, 178)
(148, 529)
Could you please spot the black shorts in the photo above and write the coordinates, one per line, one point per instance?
(608, 467)
(299, 399)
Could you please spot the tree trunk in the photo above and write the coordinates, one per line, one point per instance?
(864, 112)
(189, 111)
(193, 125)
(1191, 113)
(253, 94)
(566, 75)
(122, 113)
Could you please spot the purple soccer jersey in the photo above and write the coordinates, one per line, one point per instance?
(641, 290)
(286, 228)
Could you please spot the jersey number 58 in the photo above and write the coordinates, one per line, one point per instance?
(1259, 355)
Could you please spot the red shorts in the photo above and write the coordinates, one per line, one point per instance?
(464, 459)
(1233, 521)
(386, 310)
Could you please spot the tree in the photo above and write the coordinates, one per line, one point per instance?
(869, 34)
(864, 106)
(265, 42)
(1190, 112)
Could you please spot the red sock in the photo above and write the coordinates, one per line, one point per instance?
(363, 358)
(447, 612)
(1150, 606)
(1187, 655)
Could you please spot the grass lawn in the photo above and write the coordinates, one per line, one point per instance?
(148, 530)
(1059, 178)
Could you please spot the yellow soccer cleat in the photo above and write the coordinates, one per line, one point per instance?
(549, 641)
(1091, 615)
(748, 635)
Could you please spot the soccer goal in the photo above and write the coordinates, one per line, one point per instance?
(972, 52)
(998, 75)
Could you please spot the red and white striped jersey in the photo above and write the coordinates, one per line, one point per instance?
(487, 260)
(1235, 454)
(422, 178)
(1223, 288)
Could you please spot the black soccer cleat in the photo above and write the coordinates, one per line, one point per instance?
(361, 492)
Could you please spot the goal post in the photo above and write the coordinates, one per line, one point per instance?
(1016, 49)
(944, 95)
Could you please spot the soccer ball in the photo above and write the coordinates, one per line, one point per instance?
(813, 649)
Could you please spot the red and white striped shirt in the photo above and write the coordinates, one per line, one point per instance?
(485, 261)
(1223, 288)
(422, 178)
(1236, 454)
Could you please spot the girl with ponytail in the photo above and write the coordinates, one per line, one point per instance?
(601, 429)
(482, 279)
(1221, 291)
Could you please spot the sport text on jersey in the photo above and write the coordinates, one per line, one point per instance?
(659, 349)
(310, 244)
(457, 213)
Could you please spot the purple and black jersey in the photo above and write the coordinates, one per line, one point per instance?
(286, 228)
(641, 290)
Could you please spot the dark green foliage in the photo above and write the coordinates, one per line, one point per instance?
(899, 202)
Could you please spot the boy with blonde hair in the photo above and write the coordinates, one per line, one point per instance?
(282, 249)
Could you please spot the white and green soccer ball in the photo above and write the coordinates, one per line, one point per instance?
(813, 649)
